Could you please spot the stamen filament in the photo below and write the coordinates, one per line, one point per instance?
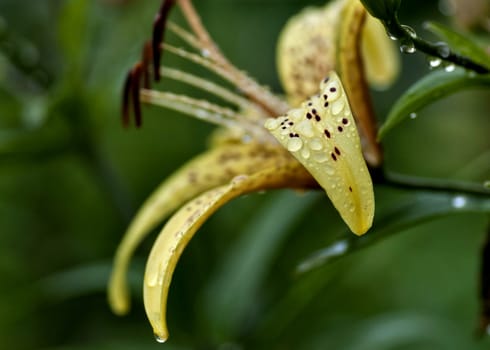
(203, 110)
(260, 96)
(206, 85)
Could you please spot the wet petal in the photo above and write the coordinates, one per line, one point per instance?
(380, 55)
(209, 170)
(181, 227)
(351, 69)
(323, 136)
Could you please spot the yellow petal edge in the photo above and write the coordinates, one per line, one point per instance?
(181, 227)
(211, 169)
(322, 135)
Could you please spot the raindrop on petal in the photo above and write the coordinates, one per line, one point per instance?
(205, 53)
(413, 115)
(160, 339)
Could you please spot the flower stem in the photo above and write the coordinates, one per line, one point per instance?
(404, 33)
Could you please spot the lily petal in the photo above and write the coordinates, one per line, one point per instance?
(380, 55)
(351, 69)
(322, 135)
(178, 231)
(211, 169)
(306, 50)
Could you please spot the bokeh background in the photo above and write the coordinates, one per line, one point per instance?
(71, 178)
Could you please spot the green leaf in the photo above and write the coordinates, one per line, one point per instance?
(74, 18)
(412, 209)
(462, 44)
(430, 88)
(231, 295)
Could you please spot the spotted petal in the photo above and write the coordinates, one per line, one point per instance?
(209, 170)
(322, 135)
(181, 227)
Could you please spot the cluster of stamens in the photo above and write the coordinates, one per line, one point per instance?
(252, 103)
(141, 70)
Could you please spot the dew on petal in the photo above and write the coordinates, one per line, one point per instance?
(295, 144)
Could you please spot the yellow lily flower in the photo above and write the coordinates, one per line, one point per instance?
(266, 142)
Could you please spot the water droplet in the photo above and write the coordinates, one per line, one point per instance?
(315, 144)
(458, 202)
(295, 144)
(160, 339)
(450, 68)
(407, 46)
(413, 115)
(205, 53)
(238, 179)
(443, 49)
(434, 62)
(409, 30)
(305, 153)
(320, 157)
(337, 107)
(391, 35)
(272, 123)
(329, 170)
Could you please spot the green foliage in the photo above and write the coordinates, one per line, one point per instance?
(463, 44)
(432, 87)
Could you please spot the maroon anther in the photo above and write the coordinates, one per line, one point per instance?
(135, 92)
(126, 99)
(146, 62)
(158, 34)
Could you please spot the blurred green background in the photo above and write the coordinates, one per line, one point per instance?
(71, 178)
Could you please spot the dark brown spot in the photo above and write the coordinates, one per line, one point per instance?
(327, 133)
(317, 118)
(334, 157)
(337, 151)
(345, 121)
(325, 96)
(332, 89)
(350, 189)
(291, 135)
(308, 115)
(310, 104)
(291, 123)
(326, 79)
(325, 104)
(314, 111)
(340, 128)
